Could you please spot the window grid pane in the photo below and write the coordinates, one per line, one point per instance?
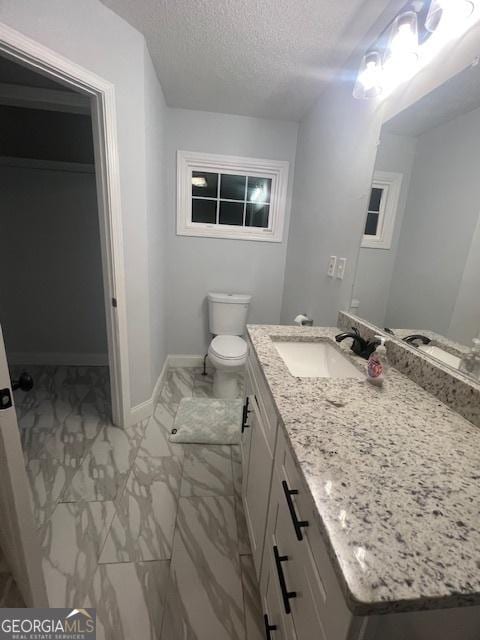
(256, 200)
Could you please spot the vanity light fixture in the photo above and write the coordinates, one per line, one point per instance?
(199, 181)
(404, 51)
(448, 12)
(369, 82)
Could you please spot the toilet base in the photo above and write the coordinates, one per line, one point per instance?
(225, 384)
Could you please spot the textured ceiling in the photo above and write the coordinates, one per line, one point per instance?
(458, 95)
(267, 58)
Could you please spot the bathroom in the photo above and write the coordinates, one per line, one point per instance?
(273, 204)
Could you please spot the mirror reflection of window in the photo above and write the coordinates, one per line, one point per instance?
(373, 213)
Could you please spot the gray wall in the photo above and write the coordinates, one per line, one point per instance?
(465, 322)
(157, 216)
(335, 156)
(375, 266)
(440, 220)
(92, 36)
(51, 298)
(46, 135)
(198, 265)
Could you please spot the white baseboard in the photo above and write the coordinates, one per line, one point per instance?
(62, 359)
(145, 410)
(181, 360)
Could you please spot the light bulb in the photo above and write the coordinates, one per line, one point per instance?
(404, 36)
(199, 181)
(401, 60)
(370, 77)
(448, 13)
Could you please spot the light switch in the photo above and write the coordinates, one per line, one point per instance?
(332, 263)
(342, 265)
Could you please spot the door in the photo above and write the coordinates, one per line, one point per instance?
(18, 537)
(256, 485)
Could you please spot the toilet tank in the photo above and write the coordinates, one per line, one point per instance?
(227, 313)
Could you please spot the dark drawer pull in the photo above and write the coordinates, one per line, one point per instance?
(286, 594)
(268, 627)
(298, 525)
(246, 411)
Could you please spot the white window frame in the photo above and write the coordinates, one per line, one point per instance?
(391, 184)
(277, 171)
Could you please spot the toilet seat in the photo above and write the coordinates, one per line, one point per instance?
(229, 348)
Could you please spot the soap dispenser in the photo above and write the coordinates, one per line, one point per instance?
(378, 363)
(471, 362)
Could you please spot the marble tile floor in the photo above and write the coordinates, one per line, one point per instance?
(149, 532)
(10, 596)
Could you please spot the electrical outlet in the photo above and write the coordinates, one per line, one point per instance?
(342, 265)
(332, 263)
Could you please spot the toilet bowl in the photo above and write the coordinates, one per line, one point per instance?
(228, 356)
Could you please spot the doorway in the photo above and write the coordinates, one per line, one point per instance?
(78, 90)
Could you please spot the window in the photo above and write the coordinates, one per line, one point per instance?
(382, 210)
(230, 197)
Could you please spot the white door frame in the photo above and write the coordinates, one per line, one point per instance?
(101, 93)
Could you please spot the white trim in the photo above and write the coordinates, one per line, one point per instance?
(391, 184)
(16, 46)
(60, 359)
(276, 170)
(145, 410)
(15, 95)
(187, 361)
(47, 165)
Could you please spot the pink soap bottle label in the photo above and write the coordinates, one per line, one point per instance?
(375, 367)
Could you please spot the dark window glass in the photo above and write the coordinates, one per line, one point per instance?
(204, 184)
(232, 187)
(204, 211)
(258, 189)
(375, 199)
(257, 215)
(231, 213)
(372, 224)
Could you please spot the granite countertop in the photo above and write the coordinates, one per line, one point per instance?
(394, 474)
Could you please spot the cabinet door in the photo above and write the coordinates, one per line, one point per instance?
(294, 570)
(246, 437)
(256, 485)
(280, 627)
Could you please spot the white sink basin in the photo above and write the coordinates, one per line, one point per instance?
(441, 354)
(316, 360)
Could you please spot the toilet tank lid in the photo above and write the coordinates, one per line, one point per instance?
(232, 298)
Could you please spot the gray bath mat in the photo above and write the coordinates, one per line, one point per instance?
(207, 421)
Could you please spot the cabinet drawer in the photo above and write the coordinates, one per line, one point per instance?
(320, 581)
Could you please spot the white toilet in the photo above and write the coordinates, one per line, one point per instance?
(227, 314)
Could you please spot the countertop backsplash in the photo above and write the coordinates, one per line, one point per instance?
(456, 390)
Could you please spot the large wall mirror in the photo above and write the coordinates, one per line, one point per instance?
(418, 271)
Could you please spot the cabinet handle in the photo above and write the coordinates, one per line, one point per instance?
(286, 594)
(268, 627)
(246, 411)
(298, 525)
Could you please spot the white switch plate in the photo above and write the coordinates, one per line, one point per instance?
(342, 265)
(332, 263)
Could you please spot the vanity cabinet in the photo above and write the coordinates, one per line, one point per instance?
(311, 596)
(301, 594)
(298, 587)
